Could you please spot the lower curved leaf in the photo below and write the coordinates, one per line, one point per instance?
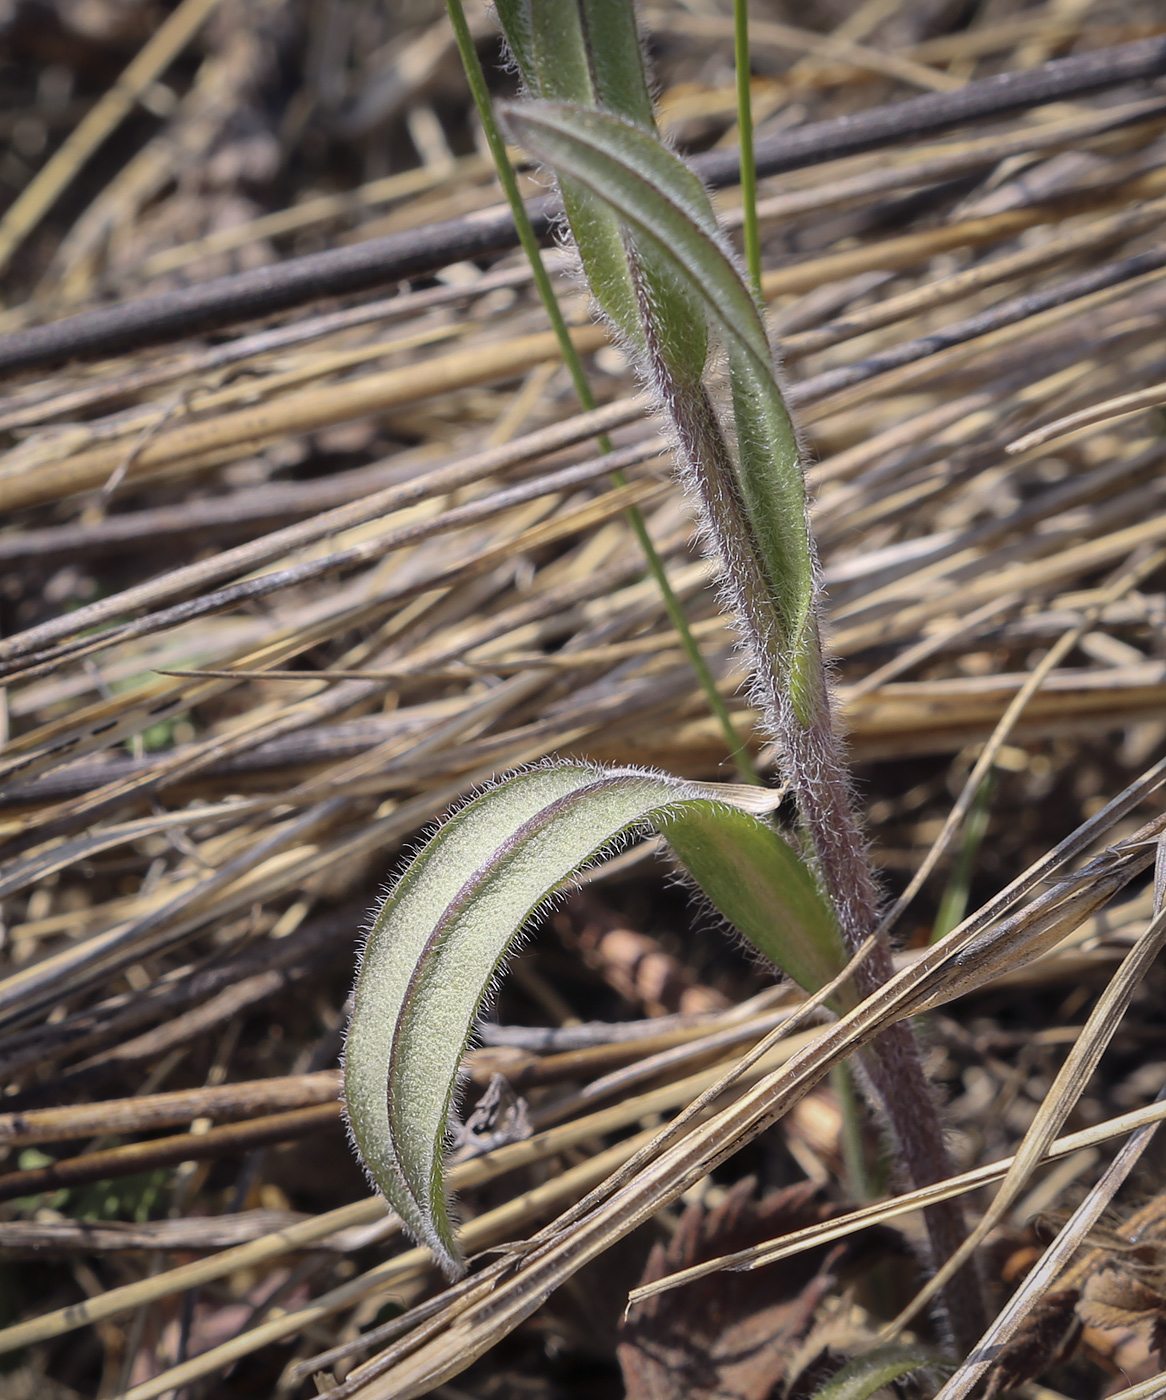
(443, 932)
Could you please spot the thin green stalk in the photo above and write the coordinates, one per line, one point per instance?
(853, 1155)
(481, 95)
(954, 903)
(752, 229)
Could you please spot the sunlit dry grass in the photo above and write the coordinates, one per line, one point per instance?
(278, 600)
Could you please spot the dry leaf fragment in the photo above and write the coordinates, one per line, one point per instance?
(1127, 1306)
(1120, 1297)
(500, 1116)
(1049, 1334)
(730, 1336)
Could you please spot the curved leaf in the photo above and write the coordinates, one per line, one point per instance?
(652, 191)
(443, 932)
(672, 223)
(757, 881)
(587, 52)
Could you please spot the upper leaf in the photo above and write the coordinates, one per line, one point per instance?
(587, 52)
(443, 932)
(651, 189)
(671, 222)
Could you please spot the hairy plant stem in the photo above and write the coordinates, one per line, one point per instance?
(648, 243)
(818, 777)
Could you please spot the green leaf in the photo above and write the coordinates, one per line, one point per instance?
(653, 192)
(588, 53)
(617, 58)
(585, 51)
(770, 475)
(756, 880)
(518, 30)
(863, 1376)
(444, 931)
(671, 220)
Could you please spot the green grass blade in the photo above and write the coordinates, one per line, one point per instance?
(506, 177)
(443, 934)
(953, 906)
(752, 229)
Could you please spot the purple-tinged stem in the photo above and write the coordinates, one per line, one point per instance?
(818, 776)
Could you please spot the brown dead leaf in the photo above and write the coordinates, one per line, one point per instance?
(1049, 1334)
(1124, 1312)
(730, 1336)
(1120, 1298)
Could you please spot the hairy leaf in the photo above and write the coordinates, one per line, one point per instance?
(741, 865)
(550, 49)
(654, 192)
(861, 1377)
(673, 226)
(442, 934)
(587, 52)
